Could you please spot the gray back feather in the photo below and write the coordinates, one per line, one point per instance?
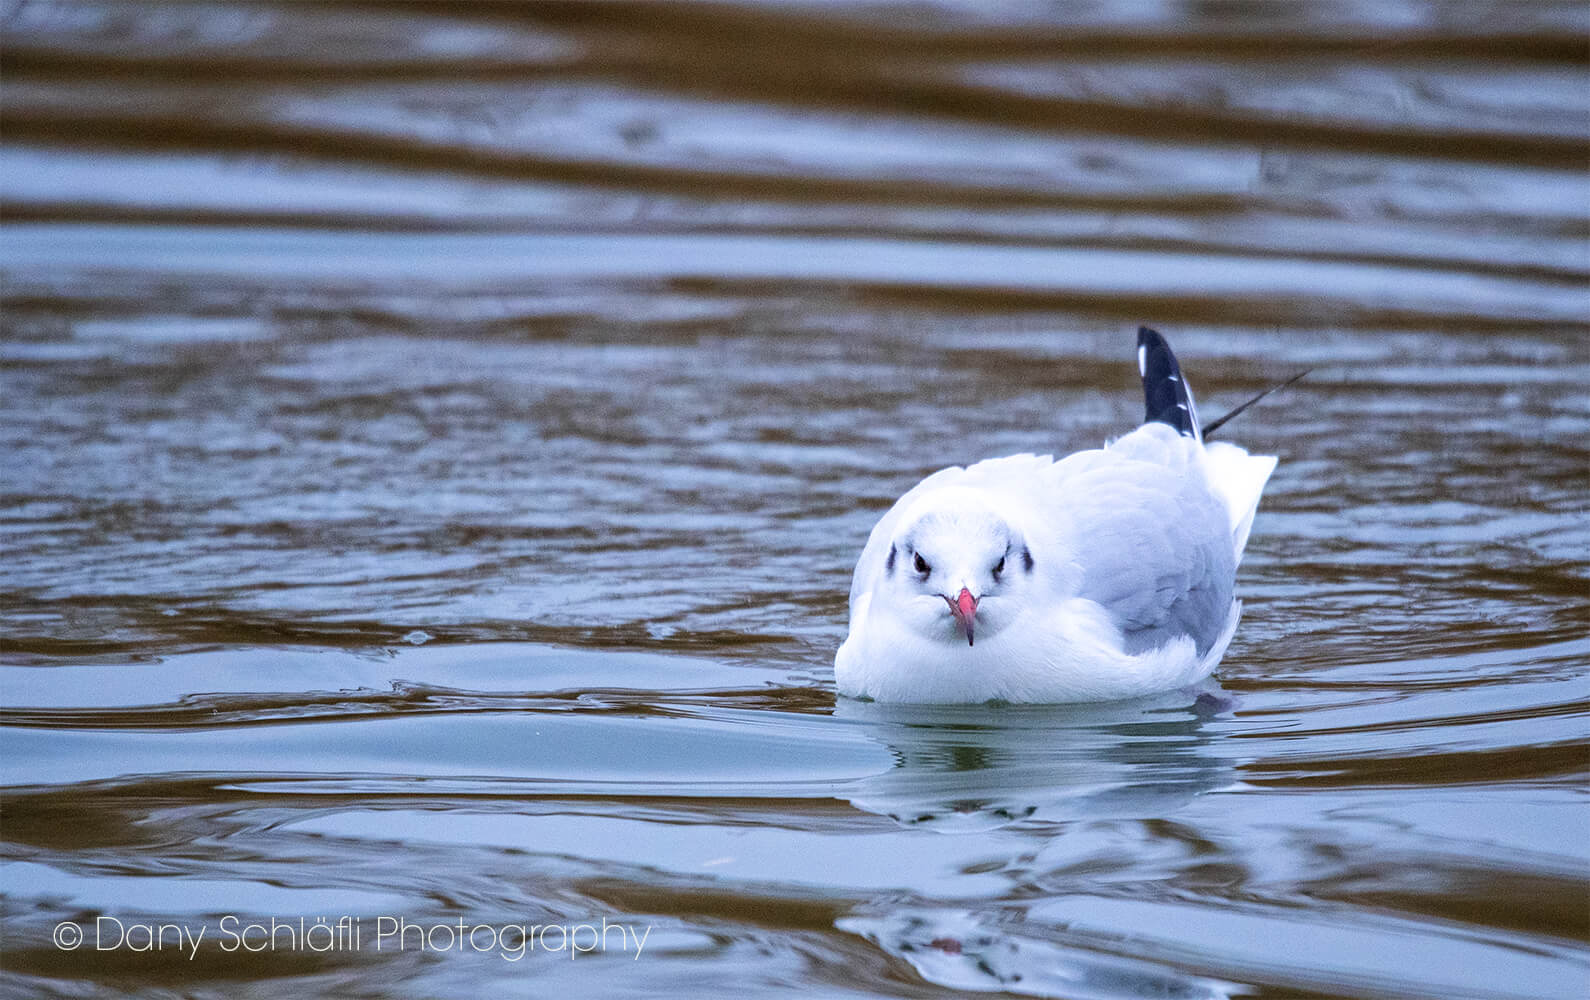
(1152, 541)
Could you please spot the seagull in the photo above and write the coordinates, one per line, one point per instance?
(1106, 575)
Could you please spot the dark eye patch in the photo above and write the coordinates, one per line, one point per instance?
(921, 565)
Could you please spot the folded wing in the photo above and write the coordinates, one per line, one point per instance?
(1151, 538)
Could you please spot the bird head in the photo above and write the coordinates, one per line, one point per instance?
(957, 569)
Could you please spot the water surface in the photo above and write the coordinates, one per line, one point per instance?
(437, 442)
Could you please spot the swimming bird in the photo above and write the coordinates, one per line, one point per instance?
(1108, 574)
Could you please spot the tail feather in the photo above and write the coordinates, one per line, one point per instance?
(1239, 479)
(1167, 397)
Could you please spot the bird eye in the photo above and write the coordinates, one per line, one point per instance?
(921, 565)
(999, 567)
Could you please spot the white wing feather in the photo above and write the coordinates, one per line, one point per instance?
(1151, 540)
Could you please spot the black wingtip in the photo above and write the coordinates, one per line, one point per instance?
(1167, 399)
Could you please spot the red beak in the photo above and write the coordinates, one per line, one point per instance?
(964, 608)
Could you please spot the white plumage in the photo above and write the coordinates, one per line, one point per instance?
(1108, 574)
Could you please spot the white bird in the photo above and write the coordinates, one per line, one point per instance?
(1109, 574)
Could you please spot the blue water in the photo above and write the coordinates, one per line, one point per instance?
(437, 442)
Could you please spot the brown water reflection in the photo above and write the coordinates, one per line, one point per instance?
(437, 439)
